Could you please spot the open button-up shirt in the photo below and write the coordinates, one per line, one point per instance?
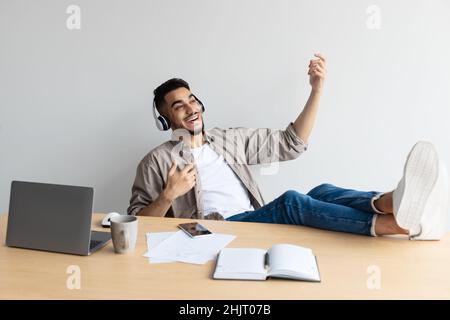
(240, 148)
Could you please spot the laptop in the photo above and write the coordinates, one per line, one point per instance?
(52, 217)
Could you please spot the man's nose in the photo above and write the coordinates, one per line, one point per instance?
(192, 107)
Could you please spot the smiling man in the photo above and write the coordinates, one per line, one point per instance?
(204, 174)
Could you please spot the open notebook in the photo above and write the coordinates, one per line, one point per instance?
(280, 261)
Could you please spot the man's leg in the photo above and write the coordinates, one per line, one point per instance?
(369, 201)
(293, 207)
(419, 203)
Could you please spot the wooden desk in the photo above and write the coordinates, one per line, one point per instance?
(408, 269)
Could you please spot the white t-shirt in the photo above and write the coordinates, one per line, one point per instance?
(222, 190)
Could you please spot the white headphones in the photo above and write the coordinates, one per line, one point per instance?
(163, 123)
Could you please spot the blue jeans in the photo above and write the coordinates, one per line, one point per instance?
(325, 206)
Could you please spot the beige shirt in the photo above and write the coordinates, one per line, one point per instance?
(240, 148)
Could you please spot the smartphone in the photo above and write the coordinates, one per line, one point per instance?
(194, 229)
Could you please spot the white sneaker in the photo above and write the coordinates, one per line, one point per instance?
(421, 197)
(434, 222)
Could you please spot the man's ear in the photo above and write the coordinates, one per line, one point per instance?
(164, 111)
(164, 108)
(166, 118)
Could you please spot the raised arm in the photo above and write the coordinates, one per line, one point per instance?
(304, 123)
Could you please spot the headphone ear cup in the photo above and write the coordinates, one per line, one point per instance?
(168, 123)
(201, 104)
(165, 123)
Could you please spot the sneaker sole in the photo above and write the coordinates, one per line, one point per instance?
(420, 176)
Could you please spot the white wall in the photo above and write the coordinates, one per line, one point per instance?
(76, 105)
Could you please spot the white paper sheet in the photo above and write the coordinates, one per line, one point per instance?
(181, 247)
(153, 240)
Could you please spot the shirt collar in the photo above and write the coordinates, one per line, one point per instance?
(208, 138)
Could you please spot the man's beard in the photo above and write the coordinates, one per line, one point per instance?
(198, 130)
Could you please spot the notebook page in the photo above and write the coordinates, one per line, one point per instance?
(287, 260)
(241, 260)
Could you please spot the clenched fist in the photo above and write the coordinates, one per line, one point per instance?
(317, 71)
(179, 182)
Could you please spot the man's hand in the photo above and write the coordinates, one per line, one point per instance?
(317, 71)
(179, 182)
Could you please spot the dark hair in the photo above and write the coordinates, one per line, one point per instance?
(165, 88)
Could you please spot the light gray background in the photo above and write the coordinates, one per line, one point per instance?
(76, 105)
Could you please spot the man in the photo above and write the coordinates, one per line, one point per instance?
(204, 174)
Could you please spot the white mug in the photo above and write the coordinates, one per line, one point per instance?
(124, 231)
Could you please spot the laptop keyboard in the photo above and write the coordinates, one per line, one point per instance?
(93, 244)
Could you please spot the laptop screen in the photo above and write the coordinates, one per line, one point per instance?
(50, 217)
